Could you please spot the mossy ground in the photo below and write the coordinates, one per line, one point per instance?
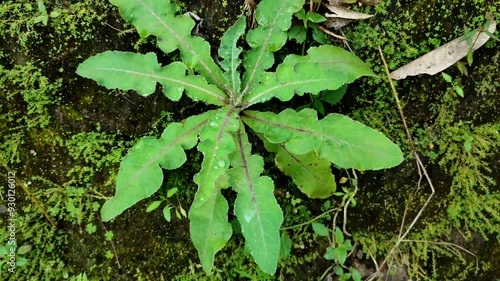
(64, 136)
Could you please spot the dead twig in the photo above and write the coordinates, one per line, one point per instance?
(112, 244)
(330, 33)
(421, 171)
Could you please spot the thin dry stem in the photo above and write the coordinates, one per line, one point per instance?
(330, 33)
(347, 204)
(420, 166)
(112, 244)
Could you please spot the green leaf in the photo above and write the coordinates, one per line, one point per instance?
(54, 14)
(158, 18)
(3, 251)
(345, 277)
(41, 7)
(21, 261)
(24, 249)
(141, 72)
(90, 228)
(255, 207)
(274, 18)
(468, 143)
(459, 91)
(320, 229)
(470, 58)
(285, 245)
(330, 253)
(318, 105)
(319, 35)
(336, 138)
(333, 96)
(338, 270)
(462, 68)
(301, 15)
(356, 276)
(314, 17)
(153, 206)
(339, 236)
(230, 53)
(167, 214)
(312, 175)
(298, 33)
(446, 77)
(140, 173)
(43, 19)
(109, 235)
(341, 253)
(183, 212)
(122, 70)
(171, 192)
(209, 226)
(323, 68)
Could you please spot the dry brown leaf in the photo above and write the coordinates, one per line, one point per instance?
(342, 16)
(443, 57)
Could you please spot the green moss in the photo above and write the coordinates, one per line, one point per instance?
(441, 123)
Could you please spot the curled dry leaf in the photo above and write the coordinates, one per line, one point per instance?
(445, 56)
(339, 17)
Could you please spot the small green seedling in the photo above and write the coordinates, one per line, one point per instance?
(455, 85)
(179, 211)
(44, 16)
(9, 253)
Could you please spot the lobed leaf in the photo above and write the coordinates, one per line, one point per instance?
(323, 68)
(230, 53)
(158, 18)
(256, 208)
(140, 174)
(336, 138)
(274, 18)
(131, 71)
(174, 80)
(122, 70)
(209, 226)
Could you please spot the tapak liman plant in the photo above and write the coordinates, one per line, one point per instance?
(305, 147)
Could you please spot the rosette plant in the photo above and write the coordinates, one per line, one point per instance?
(305, 147)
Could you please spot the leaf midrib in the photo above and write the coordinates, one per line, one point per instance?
(157, 77)
(250, 185)
(211, 164)
(169, 146)
(254, 100)
(257, 63)
(301, 130)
